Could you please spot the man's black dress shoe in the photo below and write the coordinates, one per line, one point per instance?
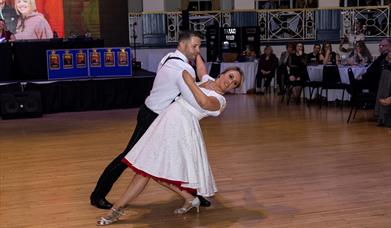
(204, 202)
(101, 203)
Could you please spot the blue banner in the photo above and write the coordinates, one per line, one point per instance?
(67, 64)
(110, 62)
(89, 63)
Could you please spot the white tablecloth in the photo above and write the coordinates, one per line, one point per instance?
(315, 73)
(249, 70)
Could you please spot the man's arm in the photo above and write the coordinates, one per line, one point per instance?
(200, 67)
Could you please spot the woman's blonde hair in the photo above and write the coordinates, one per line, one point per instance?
(238, 69)
(32, 4)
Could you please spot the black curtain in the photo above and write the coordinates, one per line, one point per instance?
(70, 96)
(114, 25)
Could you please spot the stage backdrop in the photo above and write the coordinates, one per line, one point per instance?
(64, 17)
(53, 11)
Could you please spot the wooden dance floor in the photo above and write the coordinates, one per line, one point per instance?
(275, 166)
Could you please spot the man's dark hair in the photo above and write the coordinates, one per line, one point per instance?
(187, 35)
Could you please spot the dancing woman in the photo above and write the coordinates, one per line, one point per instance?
(172, 151)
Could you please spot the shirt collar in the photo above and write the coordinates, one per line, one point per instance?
(181, 55)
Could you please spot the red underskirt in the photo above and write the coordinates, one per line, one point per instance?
(172, 182)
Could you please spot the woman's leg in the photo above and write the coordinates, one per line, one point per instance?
(188, 198)
(184, 194)
(134, 189)
(268, 80)
(259, 79)
(136, 186)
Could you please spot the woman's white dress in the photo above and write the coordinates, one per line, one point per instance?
(173, 147)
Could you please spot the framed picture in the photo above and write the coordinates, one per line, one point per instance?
(109, 58)
(123, 59)
(67, 59)
(81, 59)
(95, 59)
(54, 61)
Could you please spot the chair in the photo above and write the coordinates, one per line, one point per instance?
(332, 80)
(359, 98)
(289, 85)
(312, 85)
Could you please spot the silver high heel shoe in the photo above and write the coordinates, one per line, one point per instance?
(195, 203)
(113, 217)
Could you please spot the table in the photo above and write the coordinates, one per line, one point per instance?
(315, 73)
(5, 62)
(249, 69)
(28, 58)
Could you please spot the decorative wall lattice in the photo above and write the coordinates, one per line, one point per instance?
(283, 24)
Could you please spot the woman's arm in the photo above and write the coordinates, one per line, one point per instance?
(200, 67)
(321, 58)
(326, 59)
(206, 102)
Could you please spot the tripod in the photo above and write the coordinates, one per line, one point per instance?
(136, 65)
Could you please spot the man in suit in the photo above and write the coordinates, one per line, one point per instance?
(163, 93)
(8, 14)
(370, 80)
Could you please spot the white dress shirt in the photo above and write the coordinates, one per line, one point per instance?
(168, 83)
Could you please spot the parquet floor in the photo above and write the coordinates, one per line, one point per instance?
(275, 166)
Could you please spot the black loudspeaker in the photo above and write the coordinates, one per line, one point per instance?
(21, 105)
(230, 43)
(250, 39)
(212, 44)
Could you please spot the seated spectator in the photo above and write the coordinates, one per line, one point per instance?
(5, 35)
(382, 107)
(297, 68)
(266, 68)
(370, 80)
(314, 56)
(328, 56)
(361, 55)
(282, 70)
(297, 63)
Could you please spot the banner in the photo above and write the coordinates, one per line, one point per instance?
(67, 64)
(89, 63)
